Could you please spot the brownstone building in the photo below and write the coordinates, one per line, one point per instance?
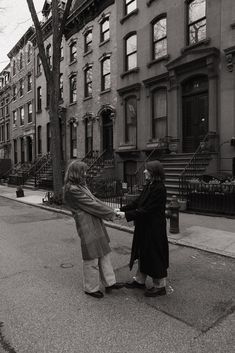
(175, 79)
(5, 97)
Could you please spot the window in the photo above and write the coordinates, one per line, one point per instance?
(87, 41)
(48, 97)
(21, 91)
(159, 113)
(30, 112)
(15, 151)
(48, 137)
(105, 74)
(88, 135)
(14, 89)
(14, 120)
(7, 131)
(22, 149)
(73, 88)
(21, 61)
(73, 51)
(14, 68)
(130, 5)
(21, 116)
(39, 140)
(48, 54)
(7, 106)
(159, 38)
(130, 120)
(104, 30)
(29, 53)
(131, 52)
(196, 21)
(39, 99)
(73, 141)
(39, 65)
(2, 109)
(88, 81)
(29, 82)
(61, 86)
(2, 133)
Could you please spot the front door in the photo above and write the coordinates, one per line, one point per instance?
(195, 117)
(29, 148)
(107, 134)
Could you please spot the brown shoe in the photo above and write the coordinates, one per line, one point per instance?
(97, 294)
(155, 292)
(117, 285)
(135, 284)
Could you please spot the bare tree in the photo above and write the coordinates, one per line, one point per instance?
(52, 74)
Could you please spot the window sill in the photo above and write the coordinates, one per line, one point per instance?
(87, 98)
(196, 45)
(87, 52)
(132, 13)
(72, 62)
(156, 61)
(105, 91)
(72, 103)
(104, 42)
(132, 71)
(39, 111)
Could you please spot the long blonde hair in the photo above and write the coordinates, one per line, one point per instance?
(75, 174)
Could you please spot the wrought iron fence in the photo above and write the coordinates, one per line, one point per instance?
(211, 197)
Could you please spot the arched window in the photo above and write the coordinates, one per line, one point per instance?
(48, 54)
(104, 30)
(129, 6)
(73, 51)
(131, 52)
(73, 88)
(159, 34)
(73, 141)
(88, 135)
(88, 40)
(196, 21)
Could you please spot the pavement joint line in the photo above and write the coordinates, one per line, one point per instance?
(129, 230)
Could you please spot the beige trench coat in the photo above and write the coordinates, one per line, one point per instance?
(88, 213)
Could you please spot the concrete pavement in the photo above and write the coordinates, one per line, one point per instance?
(208, 233)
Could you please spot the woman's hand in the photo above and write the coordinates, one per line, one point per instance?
(120, 214)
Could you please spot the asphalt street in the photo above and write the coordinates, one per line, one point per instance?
(43, 308)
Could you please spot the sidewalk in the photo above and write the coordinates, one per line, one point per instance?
(208, 233)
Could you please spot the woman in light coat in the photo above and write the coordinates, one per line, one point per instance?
(88, 213)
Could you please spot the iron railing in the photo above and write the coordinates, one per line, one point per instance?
(197, 163)
(41, 176)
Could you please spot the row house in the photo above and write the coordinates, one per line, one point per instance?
(175, 78)
(22, 103)
(5, 96)
(135, 75)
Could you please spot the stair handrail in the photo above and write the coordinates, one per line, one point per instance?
(90, 155)
(42, 169)
(97, 160)
(36, 166)
(192, 165)
(11, 169)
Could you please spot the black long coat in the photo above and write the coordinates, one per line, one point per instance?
(150, 244)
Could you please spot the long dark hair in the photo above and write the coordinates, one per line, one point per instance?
(156, 170)
(75, 174)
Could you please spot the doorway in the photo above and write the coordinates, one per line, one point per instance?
(29, 149)
(107, 124)
(195, 113)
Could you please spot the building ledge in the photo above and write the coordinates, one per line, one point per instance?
(129, 72)
(132, 13)
(156, 61)
(205, 41)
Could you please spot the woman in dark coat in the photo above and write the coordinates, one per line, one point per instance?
(150, 244)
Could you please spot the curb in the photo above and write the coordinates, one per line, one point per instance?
(130, 230)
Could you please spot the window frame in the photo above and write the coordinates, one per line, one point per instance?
(30, 112)
(154, 117)
(88, 44)
(73, 51)
(189, 2)
(126, 124)
(104, 32)
(164, 38)
(39, 98)
(128, 3)
(127, 55)
(21, 110)
(72, 89)
(86, 82)
(103, 75)
(73, 140)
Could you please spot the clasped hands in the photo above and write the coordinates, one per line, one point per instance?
(119, 214)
